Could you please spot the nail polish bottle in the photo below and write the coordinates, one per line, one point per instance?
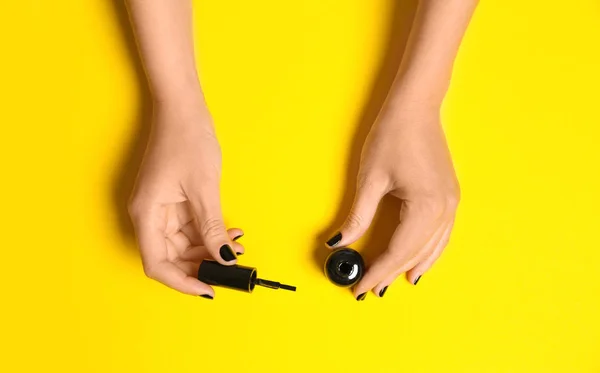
(344, 267)
(235, 277)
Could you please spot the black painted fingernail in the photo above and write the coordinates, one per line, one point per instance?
(240, 254)
(207, 296)
(417, 280)
(226, 253)
(361, 297)
(334, 240)
(382, 291)
(238, 237)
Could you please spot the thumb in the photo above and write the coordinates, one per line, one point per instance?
(209, 218)
(368, 196)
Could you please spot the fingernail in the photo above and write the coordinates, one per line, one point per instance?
(207, 296)
(334, 240)
(240, 254)
(382, 291)
(226, 253)
(361, 297)
(238, 237)
(417, 280)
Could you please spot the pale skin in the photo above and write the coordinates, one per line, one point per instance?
(175, 206)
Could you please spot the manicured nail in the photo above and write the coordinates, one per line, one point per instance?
(382, 291)
(207, 296)
(240, 254)
(226, 253)
(238, 237)
(334, 240)
(361, 297)
(417, 280)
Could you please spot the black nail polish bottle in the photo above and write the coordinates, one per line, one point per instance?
(344, 267)
(235, 277)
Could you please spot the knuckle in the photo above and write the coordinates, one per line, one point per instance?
(452, 202)
(370, 180)
(134, 207)
(445, 241)
(440, 203)
(432, 206)
(453, 197)
(394, 257)
(354, 221)
(212, 228)
(150, 271)
(207, 178)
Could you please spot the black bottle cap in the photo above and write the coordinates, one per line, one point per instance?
(344, 267)
(235, 277)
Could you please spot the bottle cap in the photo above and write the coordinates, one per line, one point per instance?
(344, 267)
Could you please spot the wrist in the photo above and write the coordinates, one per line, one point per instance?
(407, 104)
(183, 95)
(422, 95)
(423, 86)
(406, 108)
(184, 109)
(188, 91)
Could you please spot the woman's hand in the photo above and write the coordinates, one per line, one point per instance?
(175, 205)
(405, 155)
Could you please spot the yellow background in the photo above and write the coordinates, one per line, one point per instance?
(292, 87)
